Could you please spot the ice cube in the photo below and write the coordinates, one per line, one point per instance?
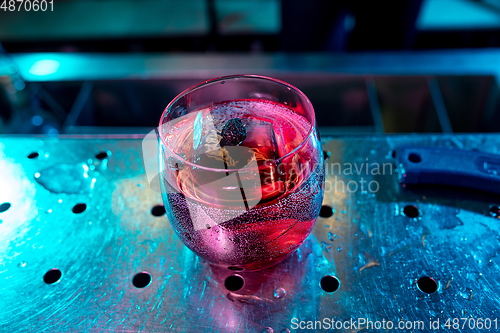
(205, 140)
(261, 138)
(219, 151)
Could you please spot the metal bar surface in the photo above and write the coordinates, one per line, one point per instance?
(375, 245)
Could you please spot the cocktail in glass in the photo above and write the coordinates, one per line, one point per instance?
(241, 170)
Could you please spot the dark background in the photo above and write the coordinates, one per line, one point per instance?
(111, 66)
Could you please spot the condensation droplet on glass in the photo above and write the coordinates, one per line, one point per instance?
(279, 293)
(208, 226)
(281, 169)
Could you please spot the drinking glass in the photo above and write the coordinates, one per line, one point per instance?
(241, 170)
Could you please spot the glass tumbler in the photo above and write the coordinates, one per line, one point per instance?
(241, 170)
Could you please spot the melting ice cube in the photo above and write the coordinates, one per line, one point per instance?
(261, 137)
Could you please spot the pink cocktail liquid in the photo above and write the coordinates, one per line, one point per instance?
(264, 223)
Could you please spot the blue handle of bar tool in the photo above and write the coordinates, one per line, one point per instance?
(448, 166)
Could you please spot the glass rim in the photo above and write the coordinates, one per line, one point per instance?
(230, 77)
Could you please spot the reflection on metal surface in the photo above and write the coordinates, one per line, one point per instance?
(118, 266)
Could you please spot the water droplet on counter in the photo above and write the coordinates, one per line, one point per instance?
(101, 161)
(66, 178)
(327, 247)
(463, 295)
(267, 330)
(22, 264)
(279, 293)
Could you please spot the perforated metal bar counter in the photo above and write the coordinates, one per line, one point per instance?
(73, 261)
